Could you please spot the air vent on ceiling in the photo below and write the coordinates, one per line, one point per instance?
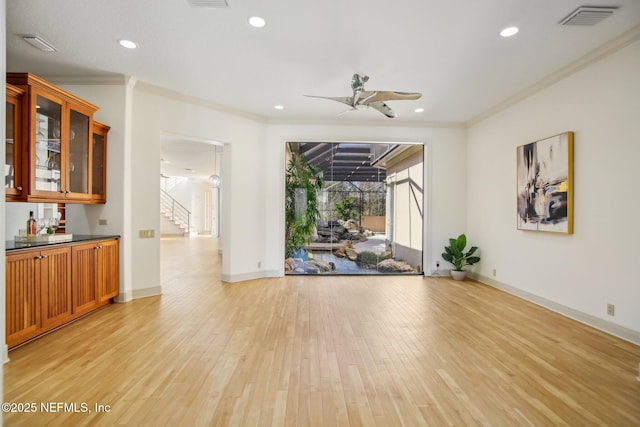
(38, 42)
(587, 15)
(209, 3)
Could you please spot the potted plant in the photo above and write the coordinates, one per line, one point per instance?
(455, 254)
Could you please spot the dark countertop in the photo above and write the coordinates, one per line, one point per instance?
(12, 245)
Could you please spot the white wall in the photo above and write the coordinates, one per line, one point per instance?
(83, 219)
(580, 273)
(243, 185)
(445, 212)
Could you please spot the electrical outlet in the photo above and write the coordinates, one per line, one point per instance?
(611, 309)
(494, 272)
(103, 221)
(259, 264)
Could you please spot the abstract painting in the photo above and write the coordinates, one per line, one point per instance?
(545, 184)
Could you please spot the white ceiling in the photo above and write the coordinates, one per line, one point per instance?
(189, 157)
(450, 51)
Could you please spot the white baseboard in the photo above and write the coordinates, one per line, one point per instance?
(123, 297)
(146, 292)
(588, 319)
(232, 278)
(440, 273)
(137, 294)
(5, 354)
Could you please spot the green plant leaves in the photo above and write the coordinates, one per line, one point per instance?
(454, 253)
(302, 177)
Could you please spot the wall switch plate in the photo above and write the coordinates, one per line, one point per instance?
(103, 221)
(147, 233)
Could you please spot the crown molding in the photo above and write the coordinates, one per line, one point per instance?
(595, 55)
(369, 123)
(177, 96)
(97, 80)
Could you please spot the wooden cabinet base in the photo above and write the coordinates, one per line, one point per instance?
(50, 287)
(15, 343)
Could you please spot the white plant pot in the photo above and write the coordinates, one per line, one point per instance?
(458, 275)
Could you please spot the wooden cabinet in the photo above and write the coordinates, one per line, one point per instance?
(13, 166)
(95, 278)
(99, 162)
(108, 261)
(38, 292)
(57, 142)
(85, 297)
(48, 287)
(55, 289)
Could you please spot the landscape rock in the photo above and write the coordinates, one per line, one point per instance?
(351, 253)
(393, 266)
(299, 266)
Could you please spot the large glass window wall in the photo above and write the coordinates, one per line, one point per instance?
(354, 208)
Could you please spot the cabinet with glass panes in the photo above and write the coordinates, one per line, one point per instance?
(13, 165)
(57, 144)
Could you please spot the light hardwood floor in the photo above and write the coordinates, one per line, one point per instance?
(374, 351)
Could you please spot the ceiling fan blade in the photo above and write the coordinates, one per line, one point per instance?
(383, 108)
(384, 95)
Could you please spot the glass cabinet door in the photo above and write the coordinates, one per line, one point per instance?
(78, 152)
(10, 147)
(48, 156)
(14, 144)
(98, 157)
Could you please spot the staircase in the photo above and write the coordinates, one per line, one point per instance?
(171, 209)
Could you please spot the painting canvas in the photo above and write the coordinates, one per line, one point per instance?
(545, 184)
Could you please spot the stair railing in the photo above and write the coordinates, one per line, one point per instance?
(178, 213)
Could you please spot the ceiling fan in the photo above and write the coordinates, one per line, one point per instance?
(362, 99)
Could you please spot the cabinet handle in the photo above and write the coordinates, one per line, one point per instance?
(44, 256)
(19, 188)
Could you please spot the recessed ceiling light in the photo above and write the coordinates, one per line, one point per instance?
(257, 22)
(419, 110)
(128, 44)
(279, 107)
(509, 31)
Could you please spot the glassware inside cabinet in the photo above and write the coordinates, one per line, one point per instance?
(48, 160)
(79, 153)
